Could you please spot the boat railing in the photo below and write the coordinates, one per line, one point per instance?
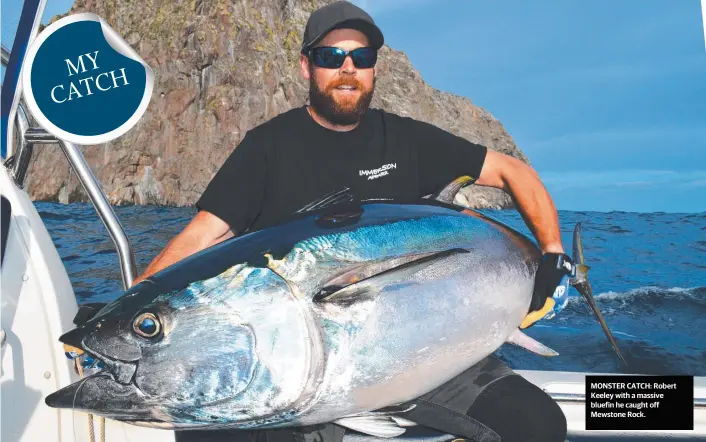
(28, 136)
(5, 56)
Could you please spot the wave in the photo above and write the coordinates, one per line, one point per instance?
(648, 299)
(660, 330)
(689, 292)
(648, 291)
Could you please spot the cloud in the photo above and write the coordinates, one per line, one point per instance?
(610, 72)
(629, 190)
(624, 178)
(623, 135)
(696, 183)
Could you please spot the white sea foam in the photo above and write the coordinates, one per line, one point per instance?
(688, 292)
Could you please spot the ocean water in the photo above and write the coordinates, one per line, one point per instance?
(648, 272)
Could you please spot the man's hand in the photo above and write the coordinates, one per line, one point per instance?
(548, 288)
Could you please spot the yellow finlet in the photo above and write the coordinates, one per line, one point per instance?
(72, 349)
(270, 259)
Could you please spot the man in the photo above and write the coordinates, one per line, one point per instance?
(337, 141)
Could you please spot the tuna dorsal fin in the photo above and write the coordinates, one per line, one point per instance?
(366, 281)
(344, 195)
(522, 340)
(448, 193)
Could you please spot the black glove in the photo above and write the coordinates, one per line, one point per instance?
(553, 267)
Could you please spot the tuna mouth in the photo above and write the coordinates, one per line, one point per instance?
(108, 384)
(94, 363)
(99, 393)
(123, 372)
(91, 349)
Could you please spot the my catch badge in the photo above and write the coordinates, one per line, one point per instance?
(83, 83)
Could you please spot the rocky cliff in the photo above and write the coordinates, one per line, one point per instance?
(222, 67)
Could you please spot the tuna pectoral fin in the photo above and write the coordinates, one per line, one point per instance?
(367, 281)
(378, 426)
(522, 340)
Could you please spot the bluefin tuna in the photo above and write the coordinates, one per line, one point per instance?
(348, 308)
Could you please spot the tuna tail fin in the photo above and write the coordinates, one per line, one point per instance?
(522, 340)
(378, 426)
(448, 193)
(384, 422)
(582, 285)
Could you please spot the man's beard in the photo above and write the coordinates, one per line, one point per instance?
(343, 113)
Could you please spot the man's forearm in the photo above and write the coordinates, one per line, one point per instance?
(535, 205)
(203, 231)
(536, 208)
(177, 249)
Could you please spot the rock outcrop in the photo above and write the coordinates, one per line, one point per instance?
(222, 67)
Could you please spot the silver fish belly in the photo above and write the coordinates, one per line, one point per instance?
(419, 329)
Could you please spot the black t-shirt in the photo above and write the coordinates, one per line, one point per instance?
(291, 160)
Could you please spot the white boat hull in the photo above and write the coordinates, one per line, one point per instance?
(38, 305)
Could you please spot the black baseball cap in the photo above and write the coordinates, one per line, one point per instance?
(340, 15)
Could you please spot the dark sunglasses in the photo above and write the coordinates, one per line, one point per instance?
(333, 58)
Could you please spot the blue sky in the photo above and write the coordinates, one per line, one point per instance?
(608, 99)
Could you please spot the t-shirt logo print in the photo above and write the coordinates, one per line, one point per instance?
(379, 172)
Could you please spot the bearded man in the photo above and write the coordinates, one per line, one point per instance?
(337, 141)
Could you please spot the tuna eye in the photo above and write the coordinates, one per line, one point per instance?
(146, 325)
